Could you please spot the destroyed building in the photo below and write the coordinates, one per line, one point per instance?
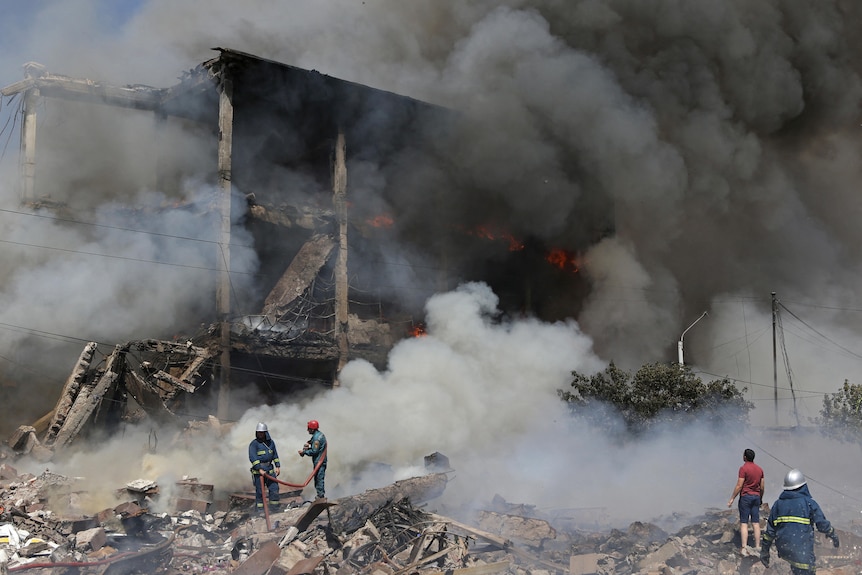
(256, 124)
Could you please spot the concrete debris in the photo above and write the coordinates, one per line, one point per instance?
(298, 276)
(379, 532)
(97, 396)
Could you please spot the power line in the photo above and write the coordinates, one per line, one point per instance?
(787, 368)
(770, 386)
(47, 334)
(120, 228)
(826, 307)
(14, 119)
(807, 477)
(803, 322)
(746, 336)
(127, 258)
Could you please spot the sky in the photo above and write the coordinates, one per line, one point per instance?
(726, 135)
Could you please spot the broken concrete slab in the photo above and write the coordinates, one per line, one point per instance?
(533, 532)
(90, 539)
(586, 564)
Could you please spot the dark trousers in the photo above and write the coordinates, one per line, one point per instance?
(271, 487)
(319, 477)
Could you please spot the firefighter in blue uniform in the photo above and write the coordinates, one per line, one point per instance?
(791, 524)
(263, 456)
(316, 448)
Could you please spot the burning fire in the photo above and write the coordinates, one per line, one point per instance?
(487, 233)
(381, 221)
(418, 330)
(563, 259)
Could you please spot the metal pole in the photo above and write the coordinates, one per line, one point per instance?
(679, 344)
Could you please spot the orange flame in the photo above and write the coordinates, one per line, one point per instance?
(418, 330)
(381, 221)
(486, 233)
(563, 259)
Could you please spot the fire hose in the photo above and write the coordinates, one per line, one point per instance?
(264, 475)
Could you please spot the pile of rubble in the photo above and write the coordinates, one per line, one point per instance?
(386, 531)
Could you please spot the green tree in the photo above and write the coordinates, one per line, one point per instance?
(840, 417)
(656, 394)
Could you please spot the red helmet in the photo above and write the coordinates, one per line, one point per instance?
(313, 424)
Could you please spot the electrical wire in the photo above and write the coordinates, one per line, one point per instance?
(118, 228)
(786, 360)
(127, 258)
(14, 119)
(760, 448)
(47, 334)
(803, 322)
(757, 384)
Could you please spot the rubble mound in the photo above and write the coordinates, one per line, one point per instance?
(379, 532)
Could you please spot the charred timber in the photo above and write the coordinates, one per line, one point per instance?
(352, 512)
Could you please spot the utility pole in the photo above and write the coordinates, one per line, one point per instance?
(774, 356)
(679, 343)
(28, 135)
(225, 160)
(339, 199)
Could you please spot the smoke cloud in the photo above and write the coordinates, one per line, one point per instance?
(719, 138)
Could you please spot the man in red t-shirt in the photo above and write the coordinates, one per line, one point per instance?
(749, 487)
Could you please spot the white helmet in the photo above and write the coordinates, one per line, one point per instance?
(793, 480)
(261, 427)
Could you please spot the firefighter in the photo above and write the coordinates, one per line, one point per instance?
(316, 448)
(791, 524)
(263, 456)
